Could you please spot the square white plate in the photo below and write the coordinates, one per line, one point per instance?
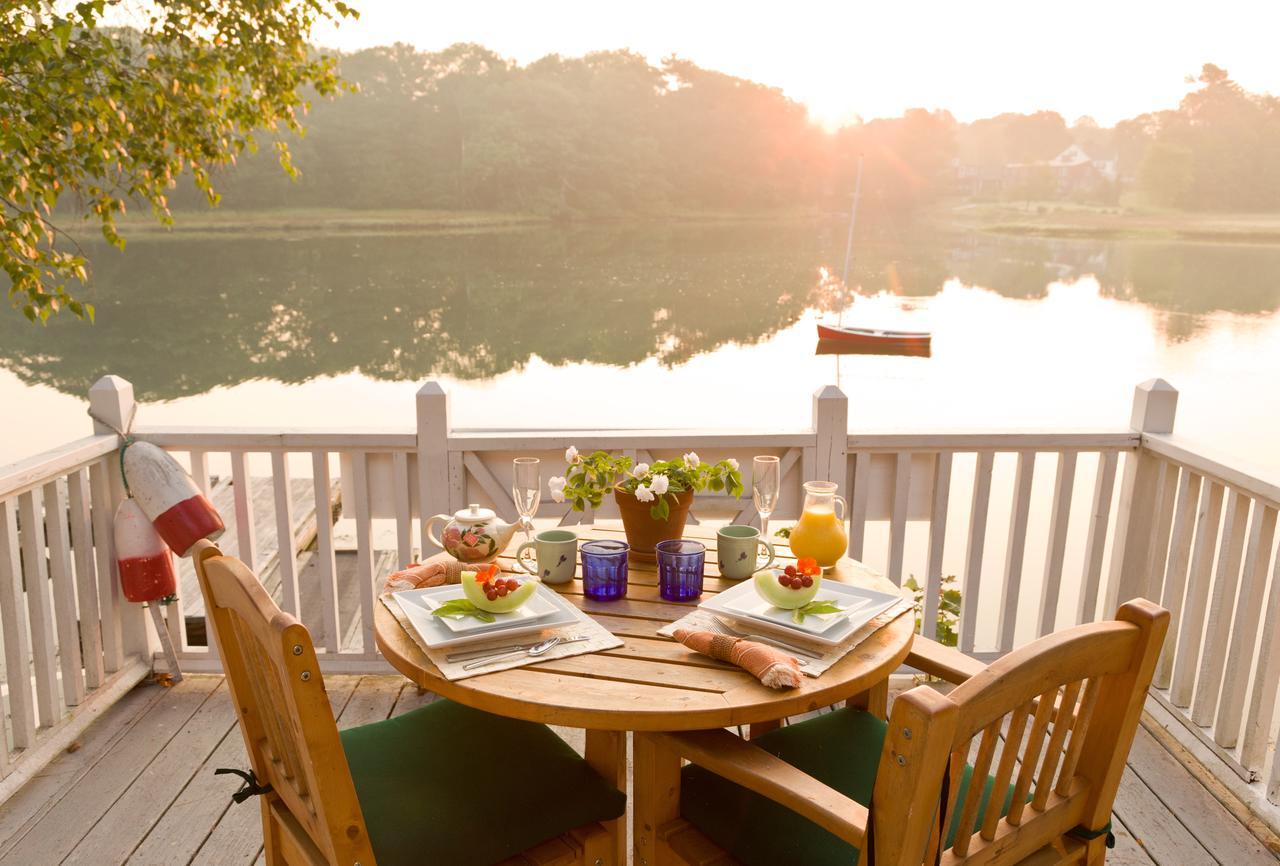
(417, 605)
(752, 605)
(535, 608)
(743, 604)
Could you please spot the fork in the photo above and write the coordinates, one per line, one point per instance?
(722, 627)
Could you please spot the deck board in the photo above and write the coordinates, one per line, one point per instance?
(141, 788)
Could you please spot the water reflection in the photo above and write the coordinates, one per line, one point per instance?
(183, 315)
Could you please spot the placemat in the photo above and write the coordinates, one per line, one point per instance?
(700, 619)
(599, 638)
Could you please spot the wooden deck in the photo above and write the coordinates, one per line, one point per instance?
(140, 788)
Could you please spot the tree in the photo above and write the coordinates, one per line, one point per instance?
(111, 111)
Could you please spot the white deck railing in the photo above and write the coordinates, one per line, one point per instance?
(1042, 530)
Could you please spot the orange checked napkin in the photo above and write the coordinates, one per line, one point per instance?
(772, 667)
(421, 575)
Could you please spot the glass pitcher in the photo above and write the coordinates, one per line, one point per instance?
(820, 532)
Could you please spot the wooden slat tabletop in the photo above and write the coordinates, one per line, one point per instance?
(652, 682)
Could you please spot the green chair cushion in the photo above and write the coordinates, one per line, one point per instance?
(840, 748)
(451, 785)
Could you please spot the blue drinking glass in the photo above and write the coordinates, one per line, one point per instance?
(680, 565)
(604, 569)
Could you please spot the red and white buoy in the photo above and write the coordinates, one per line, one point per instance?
(146, 570)
(146, 565)
(168, 497)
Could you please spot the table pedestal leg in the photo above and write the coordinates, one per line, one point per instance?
(606, 752)
(656, 795)
(874, 700)
(757, 729)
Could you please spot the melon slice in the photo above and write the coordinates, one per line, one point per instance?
(772, 590)
(475, 584)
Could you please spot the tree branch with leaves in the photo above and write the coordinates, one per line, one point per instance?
(112, 115)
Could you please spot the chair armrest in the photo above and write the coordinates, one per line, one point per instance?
(752, 767)
(941, 661)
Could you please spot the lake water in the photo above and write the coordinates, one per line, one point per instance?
(694, 325)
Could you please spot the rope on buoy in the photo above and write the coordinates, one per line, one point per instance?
(126, 434)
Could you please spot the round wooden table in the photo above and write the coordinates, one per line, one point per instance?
(653, 683)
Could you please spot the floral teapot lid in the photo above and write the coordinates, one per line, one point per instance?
(473, 514)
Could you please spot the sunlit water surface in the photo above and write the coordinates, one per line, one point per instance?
(692, 326)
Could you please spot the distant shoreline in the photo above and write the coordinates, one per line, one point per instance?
(1074, 221)
(293, 221)
(1042, 220)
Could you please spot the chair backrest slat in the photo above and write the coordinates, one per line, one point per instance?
(289, 730)
(1063, 716)
(1031, 754)
(981, 766)
(1079, 733)
(1004, 771)
(1069, 706)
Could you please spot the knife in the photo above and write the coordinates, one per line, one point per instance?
(471, 655)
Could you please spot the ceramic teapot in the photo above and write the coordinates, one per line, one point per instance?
(472, 534)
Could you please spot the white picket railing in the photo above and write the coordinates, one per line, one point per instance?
(72, 645)
(1041, 529)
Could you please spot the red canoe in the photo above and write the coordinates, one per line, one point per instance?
(871, 336)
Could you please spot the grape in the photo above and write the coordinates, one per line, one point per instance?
(790, 570)
(806, 581)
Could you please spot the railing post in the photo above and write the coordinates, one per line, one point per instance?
(433, 457)
(1155, 403)
(112, 406)
(828, 459)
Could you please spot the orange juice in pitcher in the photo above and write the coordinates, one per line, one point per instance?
(820, 531)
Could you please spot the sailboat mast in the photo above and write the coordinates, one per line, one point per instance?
(848, 244)
(853, 218)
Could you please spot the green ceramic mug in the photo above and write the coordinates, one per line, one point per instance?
(557, 554)
(738, 548)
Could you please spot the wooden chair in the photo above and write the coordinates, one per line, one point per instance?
(844, 787)
(441, 784)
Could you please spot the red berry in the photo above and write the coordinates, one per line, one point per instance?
(784, 580)
(491, 595)
(790, 570)
(513, 585)
(806, 581)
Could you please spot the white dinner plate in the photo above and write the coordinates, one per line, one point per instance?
(743, 604)
(536, 607)
(752, 605)
(549, 610)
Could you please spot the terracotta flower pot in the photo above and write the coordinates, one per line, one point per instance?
(643, 532)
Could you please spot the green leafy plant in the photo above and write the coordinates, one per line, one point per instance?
(460, 607)
(589, 478)
(784, 532)
(947, 628)
(109, 103)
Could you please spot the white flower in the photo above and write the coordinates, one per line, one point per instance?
(641, 470)
(644, 494)
(556, 485)
(570, 454)
(692, 460)
(659, 484)
(733, 464)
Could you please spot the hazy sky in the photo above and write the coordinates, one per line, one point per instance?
(1110, 60)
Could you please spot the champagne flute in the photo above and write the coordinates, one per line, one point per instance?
(765, 487)
(526, 490)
